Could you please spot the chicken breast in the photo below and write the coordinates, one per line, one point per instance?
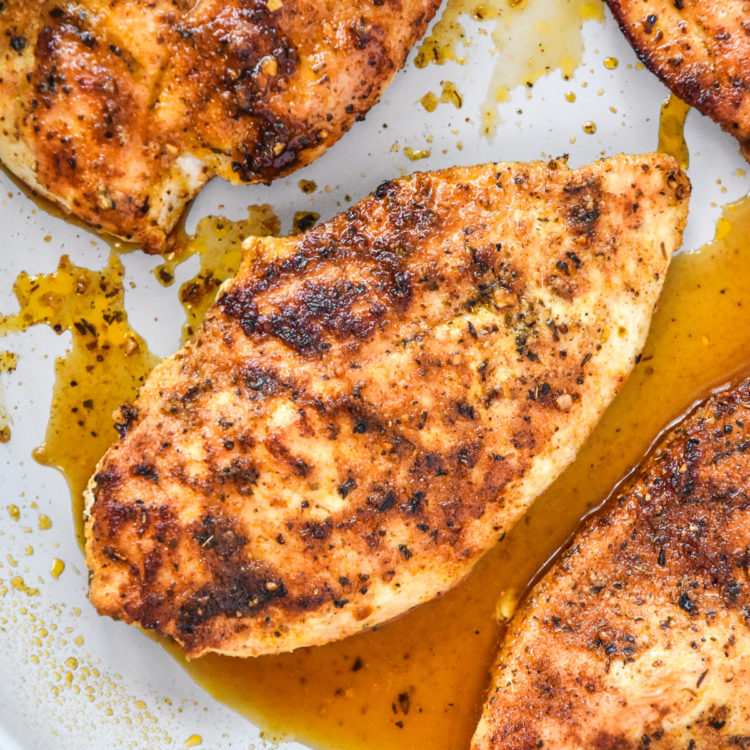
(369, 406)
(120, 110)
(700, 49)
(639, 636)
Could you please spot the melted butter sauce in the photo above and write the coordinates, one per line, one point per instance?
(104, 366)
(672, 130)
(217, 241)
(530, 38)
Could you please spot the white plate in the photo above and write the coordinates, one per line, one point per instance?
(129, 675)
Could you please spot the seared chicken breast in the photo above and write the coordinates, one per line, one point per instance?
(120, 110)
(700, 49)
(369, 406)
(639, 636)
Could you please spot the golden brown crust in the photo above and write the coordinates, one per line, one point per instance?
(120, 110)
(370, 405)
(639, 636)
(700, 49)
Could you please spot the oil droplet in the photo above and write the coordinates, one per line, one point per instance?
(448, 95)
(570, 96)
(307, 186)
(210, 240)
(8, 362)
(304, 220)
(589, 127)
(429, 101)
(14, 512)
(672, 130)
(58, 566)
(610, 63)
(71, 663)
(416, 154)
(44, 522)
(193, 741)
(20, 585)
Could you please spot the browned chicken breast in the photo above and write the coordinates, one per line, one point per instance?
(120, 110)
(700, 49)
(639, 636)
(370, 405)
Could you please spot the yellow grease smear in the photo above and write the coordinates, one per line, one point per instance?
(419, 682)
(531, 38)
(58, 566)
(20, 585)
(217, 241)
(8, 362)
(103, 367)
(672, 130)
(448, 95)
(416, 154)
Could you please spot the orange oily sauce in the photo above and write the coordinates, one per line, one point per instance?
(217, 242)
(672, 130)
(419, 682)
(104, 366)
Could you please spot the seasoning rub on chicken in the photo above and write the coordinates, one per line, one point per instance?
(120, 110)
(369, 406)
(639, 636)
(700, 49)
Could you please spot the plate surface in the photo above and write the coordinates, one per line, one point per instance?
(72, 679)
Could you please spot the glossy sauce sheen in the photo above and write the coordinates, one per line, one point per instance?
(671, 130)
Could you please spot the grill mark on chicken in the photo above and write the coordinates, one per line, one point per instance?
(700, 49)
(639, 635)
(397, 453)
(120, 112)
